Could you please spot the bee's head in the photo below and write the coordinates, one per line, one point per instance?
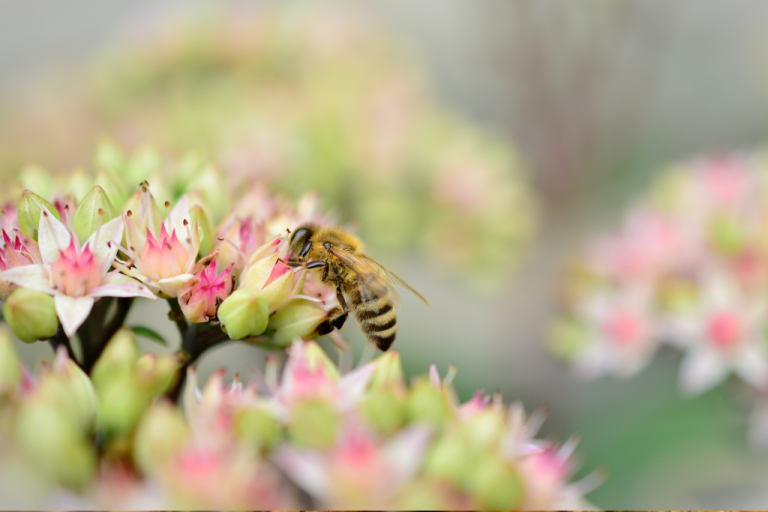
(301, 242)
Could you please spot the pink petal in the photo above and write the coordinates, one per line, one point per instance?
(34, 277)
(116, 284)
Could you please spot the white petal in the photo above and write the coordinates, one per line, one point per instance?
(353, 385)
(594, 361)
(306, 469)
(116, 284)
(110, 234)
(404, 452)
(171, 286)
(702, 369)
(52, 236)
(72, 312)
(34, 277)
(176, 217)
(752, 366)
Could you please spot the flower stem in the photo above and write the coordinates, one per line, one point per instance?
(61, 339)
(177, 316)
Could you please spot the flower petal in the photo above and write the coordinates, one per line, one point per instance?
(701, 369)
(116, 284)
(171, 285)
(110, 236)
(306, 469)
(353, 385)
(752, 366)
(176, 217)
(34, 277)
(52, 236)
(72, 312)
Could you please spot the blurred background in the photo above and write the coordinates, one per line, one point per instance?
(586, 100)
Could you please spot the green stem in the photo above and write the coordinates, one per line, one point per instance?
(61, 339)
(177, 315)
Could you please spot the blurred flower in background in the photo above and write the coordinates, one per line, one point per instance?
(299, 96)
(685, 271)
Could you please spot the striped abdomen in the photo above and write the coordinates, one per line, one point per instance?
(375, 315)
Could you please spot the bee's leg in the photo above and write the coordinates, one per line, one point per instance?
(316, 264)
(340, 320)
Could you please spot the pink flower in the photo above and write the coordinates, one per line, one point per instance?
(202, 296)
(361, 471)
(161, 260)
(76, 276)
(16, 252)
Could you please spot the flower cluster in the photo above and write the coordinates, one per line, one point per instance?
(61, 254)
(687, 269)
(305, 436)
(288, 96)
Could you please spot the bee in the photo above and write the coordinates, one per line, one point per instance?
(363, 285)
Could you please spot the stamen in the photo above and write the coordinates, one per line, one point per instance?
(129, 213)
(240, 253)
(565, 451)
(452, 371)
(98, 231)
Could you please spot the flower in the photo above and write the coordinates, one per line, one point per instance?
(161, 260)
(16, 252)
(723, 333)
(202, 295)
(75, 275)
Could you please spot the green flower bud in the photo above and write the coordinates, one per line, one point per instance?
(121, 404)
(314, 424)
(109, 158)
(78, 184)
(428, 404)
(30, 207)
(68, 388)
(495, 484)
(388, 373)
(53, 445)
(142, 164)
(485, 428)
(384, 410)
(114, 190)
(244, 313)
(258, 272)
(10, 372)
(198, 216)
(118, 358)
(298, 319)
(157, 374)
(161, 434)
(151, 218)
(31, 315)
(34, 177)
(210, 184)
(729, 235)
(94, 209)
(257, 429)
(567, 337)
(452, 458)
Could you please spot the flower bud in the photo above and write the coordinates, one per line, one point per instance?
(94, 210)
(77, 185)
(30, 207)
(384, 410)
(388, 373)
(121, 404)
(567, 338)
(156, 374)
(202, 220)
(244, 313)
(144, 211)
(34, 177)
(142, 164)
(31, 315)
(495, 484)
(68, 388)
(109, 157)
(10, 372)
(199, 302)
(314, 424)
(452, 458)
(52, 445)
(114, 191)
(210, 184)
(256, 428)
(256, 275)
(428, 404)
(118, 358)
(161, 434)
(298, 319)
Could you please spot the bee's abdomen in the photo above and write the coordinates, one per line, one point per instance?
(377, 319)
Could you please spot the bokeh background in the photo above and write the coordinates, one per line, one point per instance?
(594, 96)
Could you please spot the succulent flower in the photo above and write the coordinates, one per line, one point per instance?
(76, 276)
(201, 298)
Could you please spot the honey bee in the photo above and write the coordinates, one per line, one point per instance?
(363, 285)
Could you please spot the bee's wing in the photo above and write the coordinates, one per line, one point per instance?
(390, 277)
(374, 275)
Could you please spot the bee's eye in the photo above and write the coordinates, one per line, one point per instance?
(305, 249)
(299, 234)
